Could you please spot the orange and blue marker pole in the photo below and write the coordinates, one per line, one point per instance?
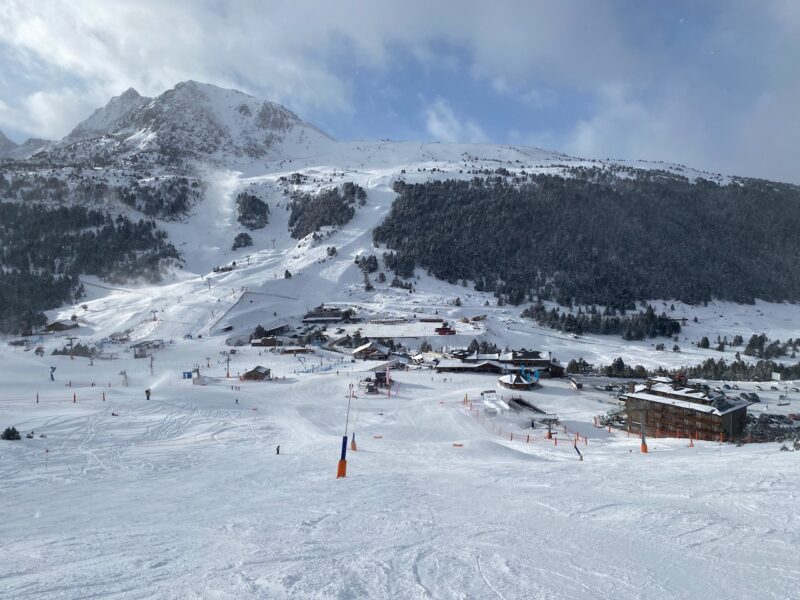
(341, 469)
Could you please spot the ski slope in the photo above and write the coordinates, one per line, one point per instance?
(183, 496)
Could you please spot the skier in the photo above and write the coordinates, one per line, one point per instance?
(237, 401)
(278, 449)
(52, 370)
(147, 393)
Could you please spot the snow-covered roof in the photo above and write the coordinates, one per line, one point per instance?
(372, 345)
(689, 394)
(469, 366)
(64, 323)
(389, 364)
(729, 406)
(509, 356)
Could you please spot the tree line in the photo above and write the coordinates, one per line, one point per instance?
(638, 326)
(332, 207)
(601, 240)
(43, 250)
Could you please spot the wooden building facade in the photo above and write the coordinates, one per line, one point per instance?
(675, 411)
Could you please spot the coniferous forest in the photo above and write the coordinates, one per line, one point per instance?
(45, 249)
(638, 326)
(333, 207)
(601, 240)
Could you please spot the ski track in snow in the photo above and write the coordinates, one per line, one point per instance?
(182, 496)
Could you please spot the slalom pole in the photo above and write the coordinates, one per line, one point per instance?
(341, 469)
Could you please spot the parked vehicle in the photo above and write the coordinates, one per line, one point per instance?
(726, 387)
(758, 387)
(734, 386)
(753, 397)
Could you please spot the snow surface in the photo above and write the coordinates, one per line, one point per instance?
(183, 496)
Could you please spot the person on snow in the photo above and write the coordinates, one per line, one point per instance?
(147, 393)
(278, 449)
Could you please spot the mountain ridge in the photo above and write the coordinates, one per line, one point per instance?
(190, 122)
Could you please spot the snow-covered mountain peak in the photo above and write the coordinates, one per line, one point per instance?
(110, 118)
(197, 121)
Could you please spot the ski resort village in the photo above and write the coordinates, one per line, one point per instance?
(239, 362)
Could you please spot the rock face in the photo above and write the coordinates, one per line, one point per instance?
(192, 121)
(113, 117)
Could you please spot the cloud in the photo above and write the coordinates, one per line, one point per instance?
(443, 125)
(711, 84)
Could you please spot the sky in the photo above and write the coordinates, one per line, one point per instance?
(709, 84)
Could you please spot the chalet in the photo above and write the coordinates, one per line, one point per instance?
(544, 362)
(61, 326)
(371, 351)
(484, 366)
(327, 314)
(518, 381)
(277, 328)
(265, 342)
(258, 373)
(671, 409)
